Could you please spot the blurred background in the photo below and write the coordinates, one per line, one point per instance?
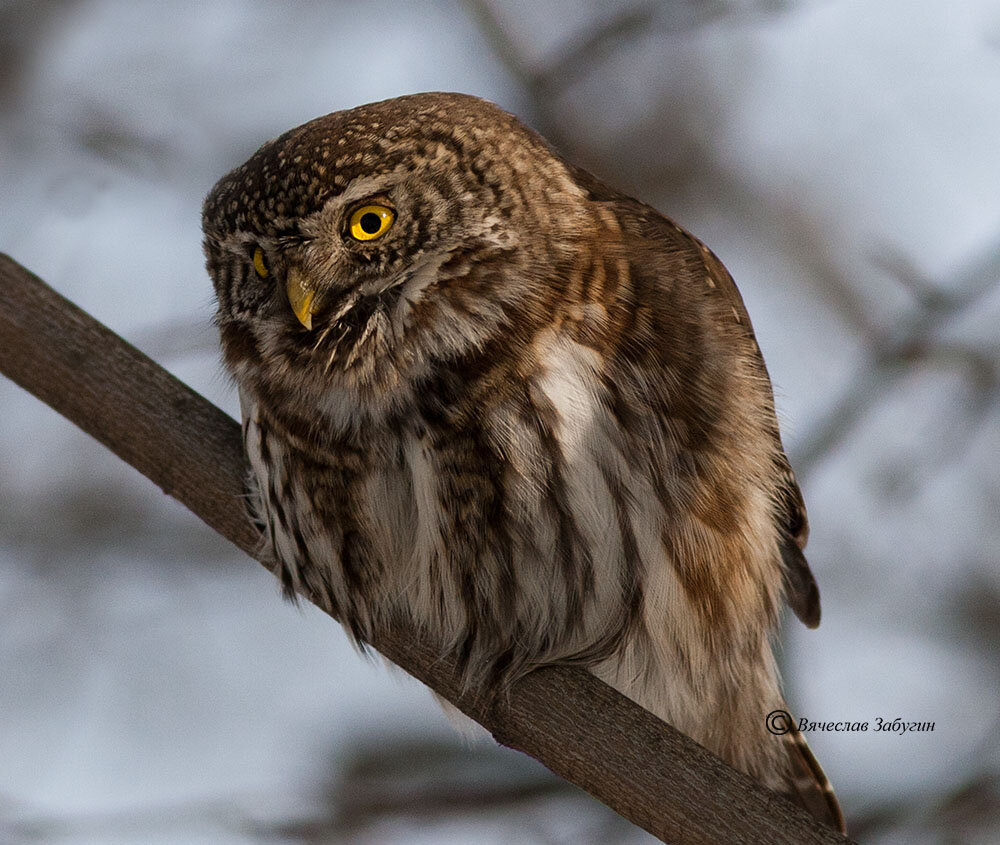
(843, 159)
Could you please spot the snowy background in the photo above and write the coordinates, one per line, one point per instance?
(841, 156)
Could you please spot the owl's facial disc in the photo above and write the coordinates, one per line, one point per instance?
(302, 295)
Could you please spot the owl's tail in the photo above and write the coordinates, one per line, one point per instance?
(808, 786)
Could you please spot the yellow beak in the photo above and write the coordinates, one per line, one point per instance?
(301, 296)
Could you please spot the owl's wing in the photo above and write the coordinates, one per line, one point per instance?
(801, 591)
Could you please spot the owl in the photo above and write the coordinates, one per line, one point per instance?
(490, 397)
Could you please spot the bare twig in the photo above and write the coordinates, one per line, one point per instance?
(577, 726)
(913, 337)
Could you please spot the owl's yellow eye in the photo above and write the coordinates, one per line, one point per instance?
(259, 264)
(371, 221)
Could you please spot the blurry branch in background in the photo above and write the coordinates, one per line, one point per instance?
(916, 340)
(573, 723)
(546, 80)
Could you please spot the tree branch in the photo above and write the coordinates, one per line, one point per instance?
(576, 725)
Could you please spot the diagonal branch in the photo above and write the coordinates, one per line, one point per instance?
(576, 725)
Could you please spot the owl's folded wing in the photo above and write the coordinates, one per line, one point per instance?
(800, 588)
(801, 591)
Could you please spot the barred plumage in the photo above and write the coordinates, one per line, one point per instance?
(531, 418)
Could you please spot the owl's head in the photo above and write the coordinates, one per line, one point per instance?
(360, 248)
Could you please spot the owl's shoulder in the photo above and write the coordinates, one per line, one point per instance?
(658, 246)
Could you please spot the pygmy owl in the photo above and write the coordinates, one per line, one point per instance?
(487, 394)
